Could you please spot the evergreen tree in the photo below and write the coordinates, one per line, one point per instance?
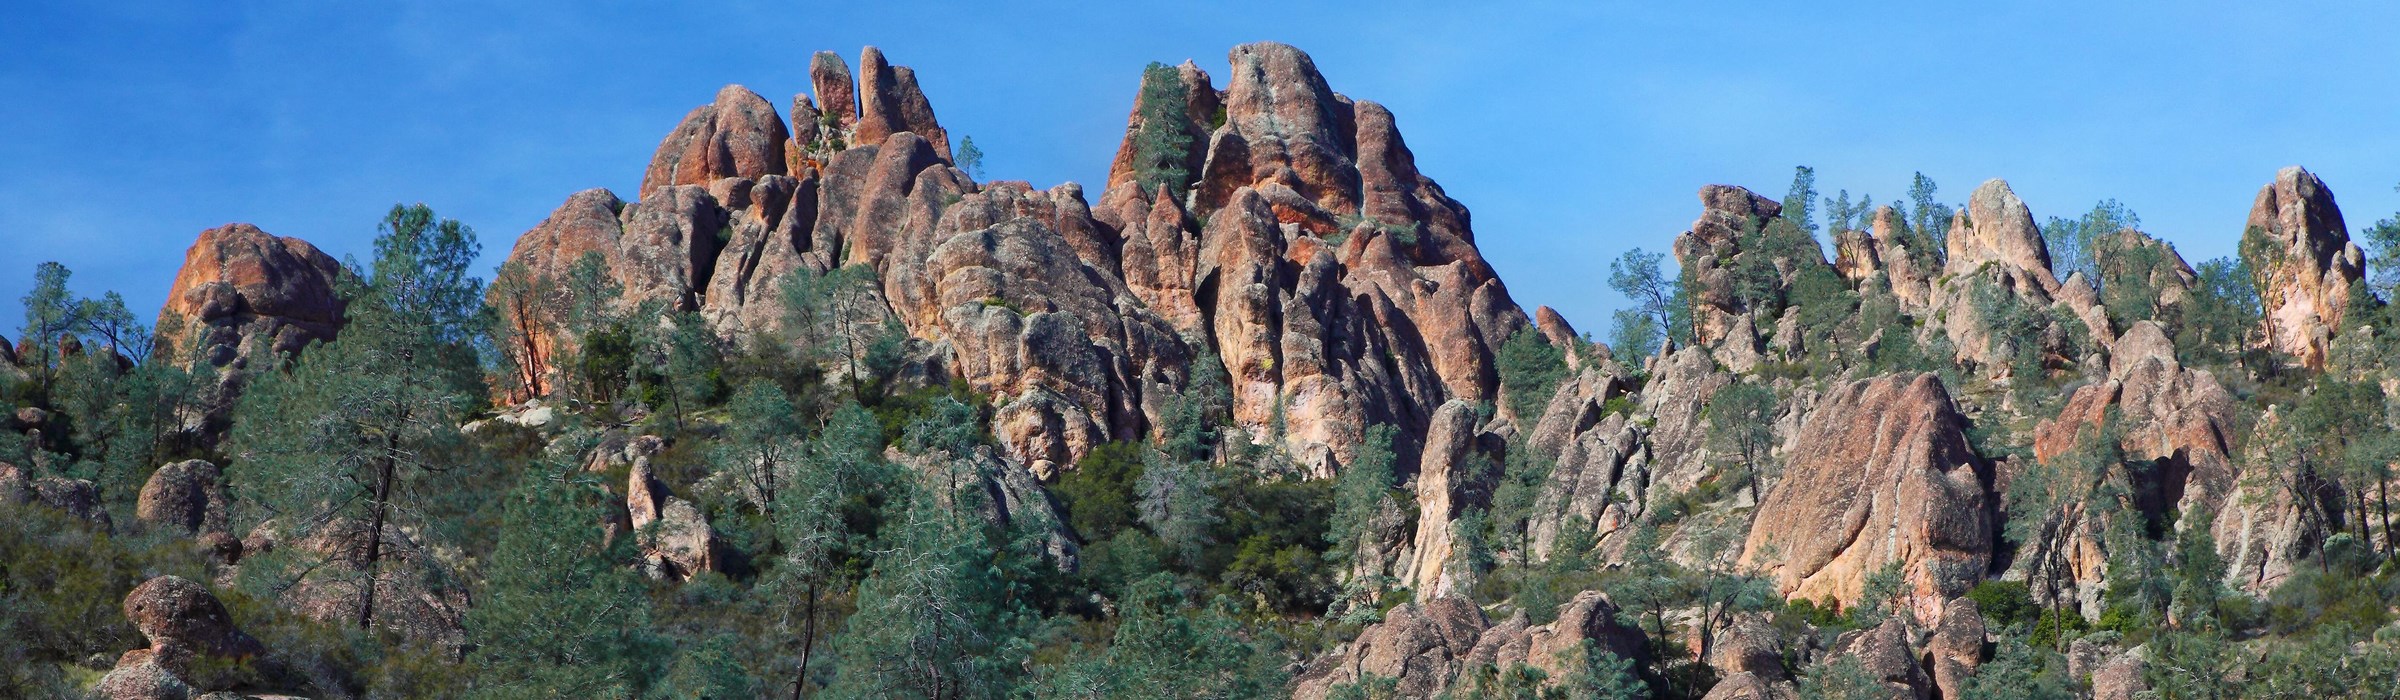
(1927, 216)
(1176, 503)
(562, 613)
(359, 440)
(1741, 422)
(1361, 491)
(833, 483)
(1599, 674)
(1637, 277)
(51, 313)
(1632, 338)
(970, 158)
(1799, 204)
(1162, 650)
(1530, 371)
(1843, 678)
(934, 619)
(1161, 145)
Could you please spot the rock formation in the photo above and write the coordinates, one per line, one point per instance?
(1708, 252)
(1340, 287)
(240, 295)
(1880, 472)
(674, 538)
(408, 600)
(193, 643)
(1956, 648)
(75, 497)
(2300, 251)
(738, 135)
(187, 497)
(1429, 647)
(1889, 657)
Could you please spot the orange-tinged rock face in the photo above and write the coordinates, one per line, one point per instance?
(1880, 472)
(738, 135)
(2301, 253)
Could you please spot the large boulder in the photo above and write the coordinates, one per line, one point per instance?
(1880, 472)
(75, 497)
(675, 540)
(1424, 646)
(1890, 658)
(1431, 646)
(1997, 228)
(187, 497)
(837, 91)
(2181, 421)
(1956, 648)
(738, 135)
(413, 595)
(2300, 251)
(193, 644)
(241, 295)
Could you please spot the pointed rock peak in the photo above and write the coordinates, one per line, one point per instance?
(889, 102)
(2300, 250)
(1999, 228)
(837, 91)
(736, 135)
(1277, 91)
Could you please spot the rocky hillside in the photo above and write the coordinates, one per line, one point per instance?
(817, 412)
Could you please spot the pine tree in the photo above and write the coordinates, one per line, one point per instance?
(1161, 145)
(1599, 674)
(970, 158)
(1160, 650)
(1177, 503)
(934, 619)
(1741, 422)
(1361, 491)
(832, 482)
(562, 613)
(1928, 217)
(358, 440)
(51, 313)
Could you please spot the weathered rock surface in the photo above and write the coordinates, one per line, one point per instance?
(1708, 251)
(1012, 498)
(738, 135)
(837, 91)
(2182, 421)
(192, 639)
(1446, 488)
(186, 496)
(1750, 686)
(240, 295)
(1889, 658)
(2300, 251)
(1997, 228)
(408, 600)
(1880, 472)
(1430, 646)
(1956, 649)
(890, 103)
(75, 497)
(675, 539)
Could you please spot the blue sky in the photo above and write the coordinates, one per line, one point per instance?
(1573, 131)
